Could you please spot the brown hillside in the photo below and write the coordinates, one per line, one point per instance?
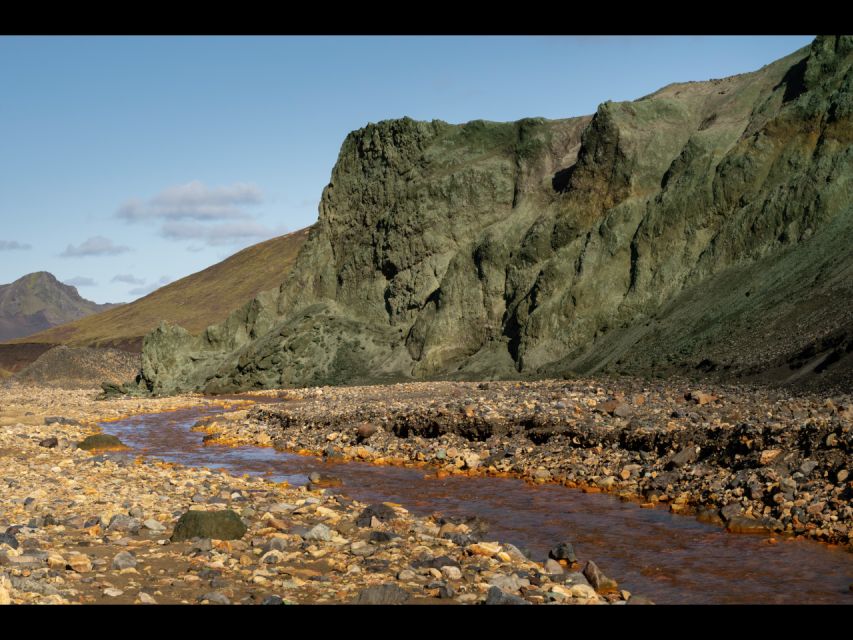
(194, 302)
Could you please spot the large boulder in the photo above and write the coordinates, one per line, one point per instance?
(217, 525)
(102, 442)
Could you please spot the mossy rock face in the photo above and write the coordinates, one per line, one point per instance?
(708, 222)
(217, 525)
(102, 442)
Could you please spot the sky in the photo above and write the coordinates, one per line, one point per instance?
(130, 162)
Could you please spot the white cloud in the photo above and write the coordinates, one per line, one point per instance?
(128, 278)
(95, 246)
(221, 234)
(13, 245)
(193, 201)
(144, 291)
(80, 281)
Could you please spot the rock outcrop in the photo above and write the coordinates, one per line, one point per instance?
(704, 228)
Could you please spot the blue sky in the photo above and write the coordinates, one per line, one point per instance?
(129, 162)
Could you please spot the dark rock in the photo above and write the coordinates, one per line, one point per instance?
(638, 600)
(598, 580)
(382, 536)
(101, 442)
(381, 512)
(49, 443)
(388, 593)
(219, 525)
(9, 539)
(272, 600)
(124, 523)
(682, 458)
(61, 420)
(435, 563)
(496, 596)
(563, 551)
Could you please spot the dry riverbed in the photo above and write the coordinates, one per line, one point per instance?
(91, 527)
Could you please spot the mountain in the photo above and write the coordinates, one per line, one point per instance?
(200, 299)
(703, 229)
(39, 301)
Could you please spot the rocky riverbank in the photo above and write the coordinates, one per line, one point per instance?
(80, 526)
(752, 460)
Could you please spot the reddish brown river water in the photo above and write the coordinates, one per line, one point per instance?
(650, 552)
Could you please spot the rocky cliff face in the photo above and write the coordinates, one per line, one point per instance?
(39, 301)
(704, 227)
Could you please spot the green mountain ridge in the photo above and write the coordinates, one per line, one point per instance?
(702, 229)
(38, 301)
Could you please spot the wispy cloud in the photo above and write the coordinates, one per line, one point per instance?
(144, 291)
(193, 201)
(221, 234)
(95, 246)
(128, 279)
(13, 245)
(80, 281)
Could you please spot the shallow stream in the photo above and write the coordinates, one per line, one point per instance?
(650, 552)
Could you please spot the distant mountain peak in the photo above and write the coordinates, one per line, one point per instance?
(38, 301)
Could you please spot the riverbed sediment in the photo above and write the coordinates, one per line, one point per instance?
(92, 527)
(750, 459)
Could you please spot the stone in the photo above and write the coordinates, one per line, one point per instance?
(553, 568)
(5, 598)
(808, 466)
(362, 549)
(113, 593)
(214, 597)
(406, 575)
(219, 525)
(745, 524)
(509, 583)
(49, 443)
(768, 455)
(684, 457)
(124, 560)
(319, 532)
(583, 591)
(270, 600)
(597, 579)
(388, 593)
(380, 511)
(79, 562)
(365, 430)
(124, 524)
(101, 442)
(496, 596)
(488, 549)
(451, 573)
(153, 525)
(9, 539)
(145, 598)
(700, 397)
(48, 420)
(563, 551)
